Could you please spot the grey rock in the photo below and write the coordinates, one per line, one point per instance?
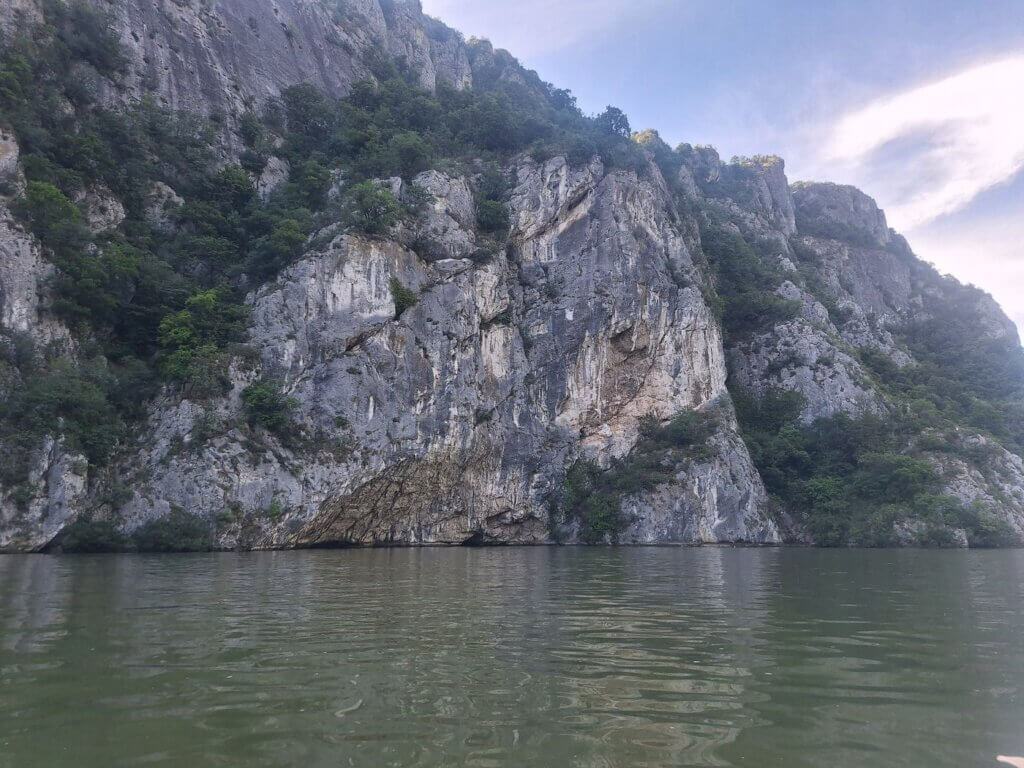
(161, 203)
(447, 225)
(274, 174)
(718, 500)
(837, 208)
(56, 487)
(10, 170)
(102, 210)
(458, 420)
(771, 194)
(24, 274)
(460, 417)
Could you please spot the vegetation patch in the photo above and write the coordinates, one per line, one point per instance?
(745, 283)
(403, 297)
(268, 407)
(178, 531)
(86, 535)
(852, 480)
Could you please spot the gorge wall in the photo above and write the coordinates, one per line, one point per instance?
(627, 336)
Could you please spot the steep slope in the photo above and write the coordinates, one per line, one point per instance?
(221, 58)
(913, 365)
(528, 329)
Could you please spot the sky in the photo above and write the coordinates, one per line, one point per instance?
(920, 103)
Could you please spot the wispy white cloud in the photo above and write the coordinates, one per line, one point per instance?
(530, 28)
(934, 147)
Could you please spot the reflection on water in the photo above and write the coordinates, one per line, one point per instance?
(513, 657)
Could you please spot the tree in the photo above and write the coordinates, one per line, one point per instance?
(613, 120)
(372, 208)
(53, 217)
(492, 216)
(267, 406)
(562, 99)
(409, 154)
(310, 115)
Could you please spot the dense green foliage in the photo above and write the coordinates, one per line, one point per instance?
(86, 535)
(852, 479)
(395, 128)
(267, 406)
(745, 283)
(178, 531)
(593, 496)
(79, 402)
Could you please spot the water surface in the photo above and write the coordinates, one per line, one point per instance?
(513, 657)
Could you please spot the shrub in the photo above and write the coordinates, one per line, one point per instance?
(614, 121)
(54, 219)
(590, 497)
(371, 208)
(492, 216)
(402, 296)
(267, 406)
(409, 154)
(179, 531)
(88, 535)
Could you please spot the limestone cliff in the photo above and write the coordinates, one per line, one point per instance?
(456, 419)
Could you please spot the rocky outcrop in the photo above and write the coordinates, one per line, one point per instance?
(996, 483)
(456, 421)
(455, 418)
(23, 271)
(840, 211)
(53, 496)
(448, 225)
(719, 499)
(799, 356)
(226, 57)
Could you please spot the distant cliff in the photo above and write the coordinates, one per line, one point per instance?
(312, 273)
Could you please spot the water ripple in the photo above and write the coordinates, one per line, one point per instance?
(513, 657)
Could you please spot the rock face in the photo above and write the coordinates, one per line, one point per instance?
(221, 58)
(834, 209)
(23, 271)
(456, 420)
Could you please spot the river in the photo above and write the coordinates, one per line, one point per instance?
(597, 657)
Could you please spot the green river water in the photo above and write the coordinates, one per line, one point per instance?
(513, 657)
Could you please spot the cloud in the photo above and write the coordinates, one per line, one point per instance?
(934, 147)
(530, 28)
(982, 249)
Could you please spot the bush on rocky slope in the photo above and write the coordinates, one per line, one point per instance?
(853, 480)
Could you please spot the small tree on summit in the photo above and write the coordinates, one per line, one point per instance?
(613, 120)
